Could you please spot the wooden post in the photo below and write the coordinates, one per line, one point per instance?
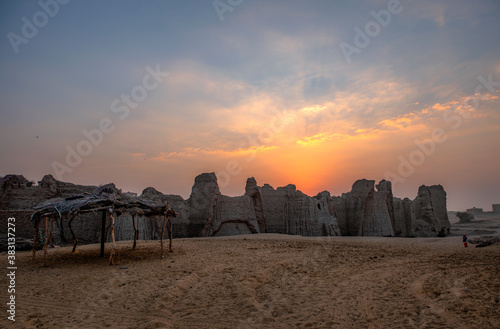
(136, 233)
(37, 226)
(49, 237)
(163, 232)
(171, 236)
(113, 239)
(103, 232)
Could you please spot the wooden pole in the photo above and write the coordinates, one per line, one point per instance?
(136, 233)
(36, 236)
(103, 232)
(49, 237)
(112, 239)
(163, 232)
(165, 219)
(171, 236)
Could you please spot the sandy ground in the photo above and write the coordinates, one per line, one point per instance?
(262, 281)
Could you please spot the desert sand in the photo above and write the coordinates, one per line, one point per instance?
(263, 281)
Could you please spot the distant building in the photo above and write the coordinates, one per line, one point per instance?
(475, 210)
(496, 208)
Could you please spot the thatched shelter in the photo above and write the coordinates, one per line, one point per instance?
(106, 199)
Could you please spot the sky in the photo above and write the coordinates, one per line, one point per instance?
(313, 93)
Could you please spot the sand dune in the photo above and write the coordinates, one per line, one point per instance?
(264, 281)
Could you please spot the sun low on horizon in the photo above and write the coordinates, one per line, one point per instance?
(314, 93)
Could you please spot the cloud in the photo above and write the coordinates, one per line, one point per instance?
(313, 110)
(234, 113)
(318, 139)
(402, 122)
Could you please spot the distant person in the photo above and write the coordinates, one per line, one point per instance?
(465, 240)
